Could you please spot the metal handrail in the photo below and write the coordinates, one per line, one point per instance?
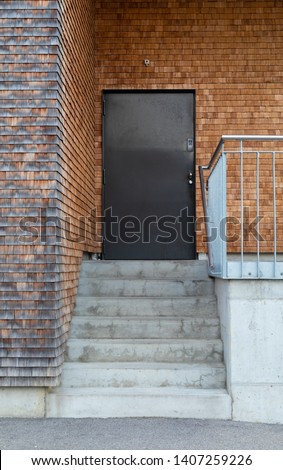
(220, 153)
(243, 138)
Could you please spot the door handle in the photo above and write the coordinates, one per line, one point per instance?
(190, 178)
(190, 144)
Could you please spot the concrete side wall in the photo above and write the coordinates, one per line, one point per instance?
(252, 329)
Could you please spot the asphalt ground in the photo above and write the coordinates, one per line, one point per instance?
(137, 434)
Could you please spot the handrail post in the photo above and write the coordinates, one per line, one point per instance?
(274, 210)
(258, 212)
(242, 205)
(224, 212)
(204, 203)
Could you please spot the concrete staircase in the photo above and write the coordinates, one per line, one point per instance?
(145, 342)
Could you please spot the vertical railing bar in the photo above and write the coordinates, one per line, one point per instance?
(257, 211)
(224, 196)
(274, 210)
(242, 207)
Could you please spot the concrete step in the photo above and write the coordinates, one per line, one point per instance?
(165, 402)
(145, 269)
(146, 306)
(144, 342)
(145, 287)
(149, 350)
(129, 374)
(144, 327)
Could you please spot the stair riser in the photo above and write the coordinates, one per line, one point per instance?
(89, 328)
(201, 377)
(84, 351)
(185, 307)
(146, 269)
(155, 288)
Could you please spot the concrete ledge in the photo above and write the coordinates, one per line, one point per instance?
(22, 402)
(251, 315)
(258, 403)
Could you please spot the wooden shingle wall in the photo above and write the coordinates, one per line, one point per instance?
(77, 110)
(229, 51)
(46, 82)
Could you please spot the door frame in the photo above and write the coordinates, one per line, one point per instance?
(150, 91)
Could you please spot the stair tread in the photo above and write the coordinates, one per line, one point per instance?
(162, 307)
(144, 365)
(179, 278)
(144, 287)
(145, 340)
(147, 261)
(136, 318)
(142, 327)
(134, 297)
(207, 298)
(159, 391)
(146, 279)
(163, 268)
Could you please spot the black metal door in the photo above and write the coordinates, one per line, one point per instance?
(149, 185)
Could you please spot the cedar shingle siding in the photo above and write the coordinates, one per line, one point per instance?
(229, 51)
(47, 174)
(56, 58)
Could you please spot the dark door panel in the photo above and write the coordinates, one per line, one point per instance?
(149, 205)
